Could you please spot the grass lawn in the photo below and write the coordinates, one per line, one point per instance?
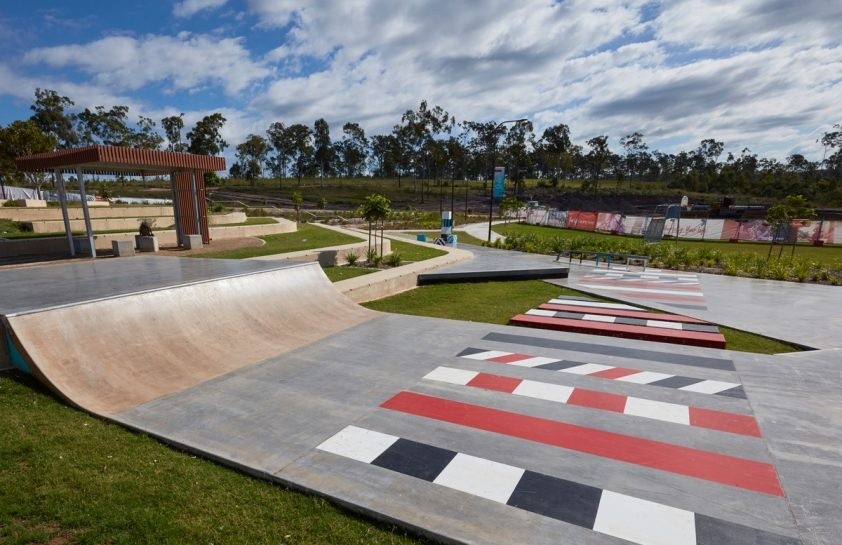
(822, 254)
(67, 477)
(497, 302)
(308, 237)
(414, 252)
(249, 221)
(335, 274)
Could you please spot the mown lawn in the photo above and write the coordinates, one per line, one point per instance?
(822, 254)
(67, 477)
(497, 302)
(308, 237)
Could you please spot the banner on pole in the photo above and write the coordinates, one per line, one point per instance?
(498, 190)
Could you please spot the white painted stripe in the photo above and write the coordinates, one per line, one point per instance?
(544, 390)
(587, 369)
(593, 304)
(645, 377)
(358, 443)
(451, 375)
(491, 480)
(642, 290)
(541, 312)
(645, 522)
(659, 410)
(487, 355)
(599, 318)
(709, 387)
(663, 325)
(533, 362)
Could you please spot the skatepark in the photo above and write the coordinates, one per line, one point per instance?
(464, 432)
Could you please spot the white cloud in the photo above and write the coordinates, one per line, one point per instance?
(188, 8)
(186, 61)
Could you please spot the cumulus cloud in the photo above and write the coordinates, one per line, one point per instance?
(188, 8)
(756, 74)
(186, 61)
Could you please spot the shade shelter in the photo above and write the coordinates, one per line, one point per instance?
(186, 172)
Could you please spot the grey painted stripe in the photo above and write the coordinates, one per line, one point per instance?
(632, 353)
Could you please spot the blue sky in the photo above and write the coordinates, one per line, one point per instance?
(756, 74)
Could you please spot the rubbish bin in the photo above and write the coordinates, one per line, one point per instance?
(421, 237)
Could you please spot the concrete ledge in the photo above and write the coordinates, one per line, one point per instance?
(222, 219)
(192, 242)
(75, 213)
(392, 281)
(122, 248)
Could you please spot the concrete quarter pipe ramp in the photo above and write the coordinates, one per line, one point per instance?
(108, 353)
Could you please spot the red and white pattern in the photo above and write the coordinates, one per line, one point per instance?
(634, 406)
(624, 374)
(652, 284)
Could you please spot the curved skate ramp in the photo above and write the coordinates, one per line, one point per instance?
(110, 354)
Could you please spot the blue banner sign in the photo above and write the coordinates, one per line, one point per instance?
(498, 191)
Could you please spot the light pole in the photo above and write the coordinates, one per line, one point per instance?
(494, 160)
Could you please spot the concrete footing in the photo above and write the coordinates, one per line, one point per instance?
(122, 248)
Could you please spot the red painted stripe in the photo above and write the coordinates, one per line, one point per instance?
(699, 300)
(597, 400)
(720, 421)
(616, 372)
(642, 314)
(694, 338)
(510, 358)
(710, 466)
(495, 382)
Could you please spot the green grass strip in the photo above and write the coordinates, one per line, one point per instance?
(67, 477)
(497, 302)
(335, 274)
(308, 237)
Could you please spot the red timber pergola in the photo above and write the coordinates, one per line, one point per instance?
(186, 172)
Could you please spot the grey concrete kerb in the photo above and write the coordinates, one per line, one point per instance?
(391, 281)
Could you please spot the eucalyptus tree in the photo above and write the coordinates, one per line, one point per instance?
(300, 140)
(555, 144)
(24, 138)
(323, 152)
(205, 138)
(173, 125)
(251, 156)
(50, 114)
(417, 128)
(598, 156)
(353, 149)
(636, 154)
(517, 146)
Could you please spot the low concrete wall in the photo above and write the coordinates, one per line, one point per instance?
(370, 287)
(330, 256)
(58, 244)
(224, 219)
(99, 224)
(75, 213)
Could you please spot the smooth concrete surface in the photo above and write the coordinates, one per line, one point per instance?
(494, 263)
(803, 314)
(270, 416)
(192, 242)
(112, 353)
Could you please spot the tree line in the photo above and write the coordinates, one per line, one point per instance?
(429, 144)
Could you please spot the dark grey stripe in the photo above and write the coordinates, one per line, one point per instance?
(736, 391)
(633, 353)
(415, 459)
(471, 352)
(559, 365)
(711, 531)
(676, 382)
(560, 499)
